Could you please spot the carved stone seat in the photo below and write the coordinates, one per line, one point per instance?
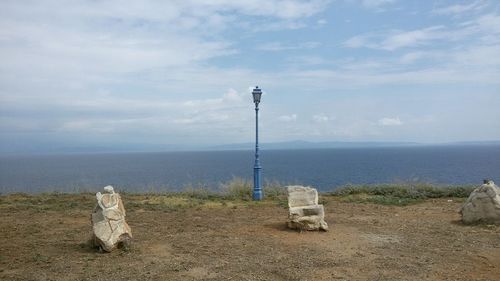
(304, 211)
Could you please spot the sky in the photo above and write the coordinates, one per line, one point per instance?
(149, 74)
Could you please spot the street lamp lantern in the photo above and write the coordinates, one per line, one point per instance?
(256, 95)
(257, 194)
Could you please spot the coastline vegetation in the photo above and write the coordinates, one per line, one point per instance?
(238, 193)
(400, 194)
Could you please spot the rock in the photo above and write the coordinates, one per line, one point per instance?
(110, 229)
(304, 211)
(483, 204)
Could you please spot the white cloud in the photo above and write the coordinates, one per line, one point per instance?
(288, 118)
(199, 119)
(411, 38)
(489, 23)
(484, 28)
(321, 118)
(461, 53)
(169, 71)
(307, 60)
(273, 26)
(281, 9)
(359, 41)
(278, 46)
(412, 57)
(230, 98)
(393, 40)
(118, 115)
(321, 22)
(460, 8)
(376, 3)
(71, 38)
(139, 69)
(387, 121)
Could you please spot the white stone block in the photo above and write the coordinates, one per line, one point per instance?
(483, 204)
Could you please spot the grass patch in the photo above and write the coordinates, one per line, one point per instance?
(160, 202)
(47, 201)
(38, 258)
(379, 199)
(237, 189)
(235, 193)
(399, 194)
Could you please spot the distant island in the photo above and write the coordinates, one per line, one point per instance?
(299, 144)
(82, 148)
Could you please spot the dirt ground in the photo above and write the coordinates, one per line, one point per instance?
(246, 241)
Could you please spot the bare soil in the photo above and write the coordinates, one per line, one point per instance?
(46, 239)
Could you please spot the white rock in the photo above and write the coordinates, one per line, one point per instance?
(108, 221)
(304, 211)
(483, 204)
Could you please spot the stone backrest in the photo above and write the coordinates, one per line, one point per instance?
(302, 196)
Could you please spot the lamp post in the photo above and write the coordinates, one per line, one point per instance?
(257, 190)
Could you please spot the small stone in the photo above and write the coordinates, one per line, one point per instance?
(304, 211)
(110, 229)
(483, 204)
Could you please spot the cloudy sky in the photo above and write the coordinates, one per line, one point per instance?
(141, 73)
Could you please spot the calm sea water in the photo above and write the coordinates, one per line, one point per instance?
(324, 169)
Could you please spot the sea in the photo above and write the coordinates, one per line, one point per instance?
(324, 169)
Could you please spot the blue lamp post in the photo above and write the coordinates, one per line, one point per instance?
(257, 190)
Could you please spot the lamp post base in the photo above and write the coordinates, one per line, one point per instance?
(257, 195)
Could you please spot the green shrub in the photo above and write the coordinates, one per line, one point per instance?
(399, 194)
